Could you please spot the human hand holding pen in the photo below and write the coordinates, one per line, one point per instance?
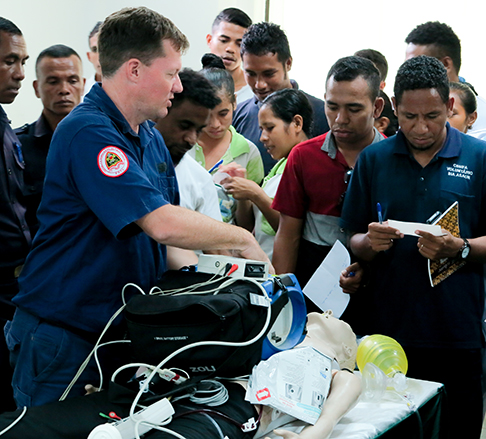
(350, 278)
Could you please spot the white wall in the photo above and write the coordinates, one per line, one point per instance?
(321, 31)
(48, 22)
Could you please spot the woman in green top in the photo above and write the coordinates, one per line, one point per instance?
(285, 119)
(219, 143)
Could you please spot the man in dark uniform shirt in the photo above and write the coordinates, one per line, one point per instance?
(14, 233)
(60, 86)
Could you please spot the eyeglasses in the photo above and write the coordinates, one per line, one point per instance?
(347, 177)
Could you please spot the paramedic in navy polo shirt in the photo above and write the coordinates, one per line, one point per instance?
(422, 170)
(109, 199)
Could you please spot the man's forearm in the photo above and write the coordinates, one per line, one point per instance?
(180, 227)
(286, 246)
(361, 247)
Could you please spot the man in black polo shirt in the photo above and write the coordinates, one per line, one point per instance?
(60, 86)
(14, 234)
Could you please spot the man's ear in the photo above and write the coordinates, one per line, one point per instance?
(379, 105)
(449, 65)
(450, 106)
(132, 69)
(35, 84)
(381, 124)
(209, 38)
(288, 64)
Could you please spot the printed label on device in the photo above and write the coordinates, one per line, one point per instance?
(257, 300)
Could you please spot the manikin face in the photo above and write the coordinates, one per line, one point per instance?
(93, 54)
(220, 118)
(277, 136)
(350, 111)
(266, 74)
(225, 41)
(13, 55)
(422, 116)
(182, 126)
(332, 337)
(59, 84)
(459, 119)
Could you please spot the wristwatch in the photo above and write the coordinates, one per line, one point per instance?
(464, 250)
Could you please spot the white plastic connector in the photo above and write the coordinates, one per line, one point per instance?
(249, 425)
(127, 428)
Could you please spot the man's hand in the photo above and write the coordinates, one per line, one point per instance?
(351, 277)
(438, 247)
(381, 236)
(254, 252)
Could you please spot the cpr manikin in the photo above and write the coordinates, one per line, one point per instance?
(333, 338)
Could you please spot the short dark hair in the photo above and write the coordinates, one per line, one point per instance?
(197, 89)
(56, 51)
(136, 33)
(95, 30)
(215, 72)
(351, 67)
(7, 26)
(377, 58)
(468, 98)
(441, 36)
(233, 16)
(263, 38)
(287, 103)
(422, 72)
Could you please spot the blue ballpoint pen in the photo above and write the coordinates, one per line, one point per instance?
(215, 166)
(380, 215)
(19, 152)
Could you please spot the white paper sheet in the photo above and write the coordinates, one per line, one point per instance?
(410, 228)
(323, 287)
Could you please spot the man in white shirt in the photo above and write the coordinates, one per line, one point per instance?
(180, 129)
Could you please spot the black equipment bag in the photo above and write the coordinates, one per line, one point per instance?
(159, 325)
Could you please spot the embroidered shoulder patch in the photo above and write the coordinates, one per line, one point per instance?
(112, 161)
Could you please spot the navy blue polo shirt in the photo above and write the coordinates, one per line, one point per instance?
(101, 177)
(401, 303)
(245, 121)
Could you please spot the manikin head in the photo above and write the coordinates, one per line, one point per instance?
(332, 337)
